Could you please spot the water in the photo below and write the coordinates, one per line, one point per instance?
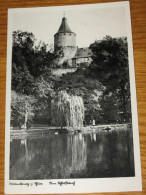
(93, 155)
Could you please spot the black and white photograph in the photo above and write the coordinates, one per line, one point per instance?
(71, 115)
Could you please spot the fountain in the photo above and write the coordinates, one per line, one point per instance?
(67, 110)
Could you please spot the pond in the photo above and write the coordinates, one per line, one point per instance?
(98, 154)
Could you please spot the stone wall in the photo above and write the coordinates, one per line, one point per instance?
(83, 60)
(60, 71)
(66, 42)
(67, 53)
(65, 39)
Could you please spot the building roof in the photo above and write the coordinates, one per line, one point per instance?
(83, 53)
(64, 28)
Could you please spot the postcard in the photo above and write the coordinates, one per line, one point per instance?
(71, 108)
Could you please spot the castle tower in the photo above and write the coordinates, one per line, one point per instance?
(65, 41)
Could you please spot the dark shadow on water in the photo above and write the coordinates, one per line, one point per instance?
(93, 155)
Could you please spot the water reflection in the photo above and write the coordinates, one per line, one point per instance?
(100, 154)
(93, 136)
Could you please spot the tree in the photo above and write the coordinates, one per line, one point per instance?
(89, 89)
(110, 66)
(29, 61)
(42, 59)
(109, 108)
(31, 77)
(44, 91)
(23, 40)
(22, 52)
(22, 109)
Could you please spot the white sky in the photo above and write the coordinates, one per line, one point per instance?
(88, 24)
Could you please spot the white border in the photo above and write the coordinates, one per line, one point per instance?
(81, 185)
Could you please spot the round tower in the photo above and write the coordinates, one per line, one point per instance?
(65, 42)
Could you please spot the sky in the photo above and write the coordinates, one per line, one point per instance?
(88, 24)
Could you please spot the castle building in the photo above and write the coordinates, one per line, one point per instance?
(65, 45)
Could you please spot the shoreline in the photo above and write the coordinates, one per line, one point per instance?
(35, 130)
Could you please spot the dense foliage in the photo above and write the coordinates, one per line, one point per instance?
(21, 105)
(103, 85)
(30, 68)
(89, 89)
(110, 66)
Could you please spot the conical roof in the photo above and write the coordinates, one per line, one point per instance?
(64, 28)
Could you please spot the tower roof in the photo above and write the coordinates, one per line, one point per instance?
(64, 28)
